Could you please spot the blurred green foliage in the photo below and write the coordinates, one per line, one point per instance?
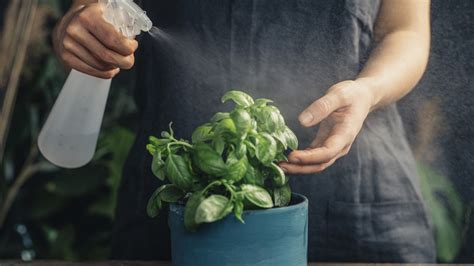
(449, 215)
(58, 213)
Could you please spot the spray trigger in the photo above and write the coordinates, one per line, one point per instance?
(127, 17)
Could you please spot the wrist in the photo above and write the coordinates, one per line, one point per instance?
(369, 89)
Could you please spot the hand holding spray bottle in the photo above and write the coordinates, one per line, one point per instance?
(69, 137)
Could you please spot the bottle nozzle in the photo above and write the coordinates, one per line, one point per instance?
(126, 16)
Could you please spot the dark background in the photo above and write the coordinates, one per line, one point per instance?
(61, 214)
(448, 83)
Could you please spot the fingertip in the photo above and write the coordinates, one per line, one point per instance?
(111, 74)
(306, 118)
(131, 45)
(293, 158)
(286, 167)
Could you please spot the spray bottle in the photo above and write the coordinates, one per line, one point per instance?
(69, 137)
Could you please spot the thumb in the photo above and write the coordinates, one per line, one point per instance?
(336, 98)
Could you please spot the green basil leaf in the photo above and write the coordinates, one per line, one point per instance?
(239, 210)
(190, 210)
(251, 148)
(154, 203)
(174, 149)
(281, 137)
(242, 121)
(249, 177)
(269, 119)
(254, 176)
(153, 140)
(158, 172)
(291, 138)
(258, 196)
(281, 158)
(158, 142)
(240, 98)
(266, 148)
(226, 125)
(279, 177)
(241, 150)
(219, 144)
(280, 151)
(178, 172)
(282, 195)
(202, 133)
(212, 209)
(236, 167)
(280, 121)
(151, 148)
(219, 116)
(171, 193)
(260, 102)
(165, 134)
(209, 160)
(254, 127)
(157, 166)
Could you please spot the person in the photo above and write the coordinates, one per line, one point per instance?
(347, 61)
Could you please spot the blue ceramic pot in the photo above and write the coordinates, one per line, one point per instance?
(275, 237)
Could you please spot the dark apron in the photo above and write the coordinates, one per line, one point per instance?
(366, 207)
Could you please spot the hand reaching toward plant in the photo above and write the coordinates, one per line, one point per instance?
(394, 67)
(340, 113)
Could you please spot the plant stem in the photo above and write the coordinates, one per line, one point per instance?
(177, 142)
(231, 190)
(28, 170)
(217, 182)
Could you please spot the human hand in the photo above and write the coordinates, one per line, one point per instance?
(85, 41)
(341, 114)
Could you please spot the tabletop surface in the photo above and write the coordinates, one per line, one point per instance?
(157, 263)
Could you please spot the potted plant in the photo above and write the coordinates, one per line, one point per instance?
(230, 167)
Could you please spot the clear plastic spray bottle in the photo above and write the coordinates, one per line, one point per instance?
(68, 138)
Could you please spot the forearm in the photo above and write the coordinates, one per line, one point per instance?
(395, 67)
(401, 54)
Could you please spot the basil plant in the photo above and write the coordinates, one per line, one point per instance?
(230, 164)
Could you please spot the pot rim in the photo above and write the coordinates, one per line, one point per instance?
(303, 203)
